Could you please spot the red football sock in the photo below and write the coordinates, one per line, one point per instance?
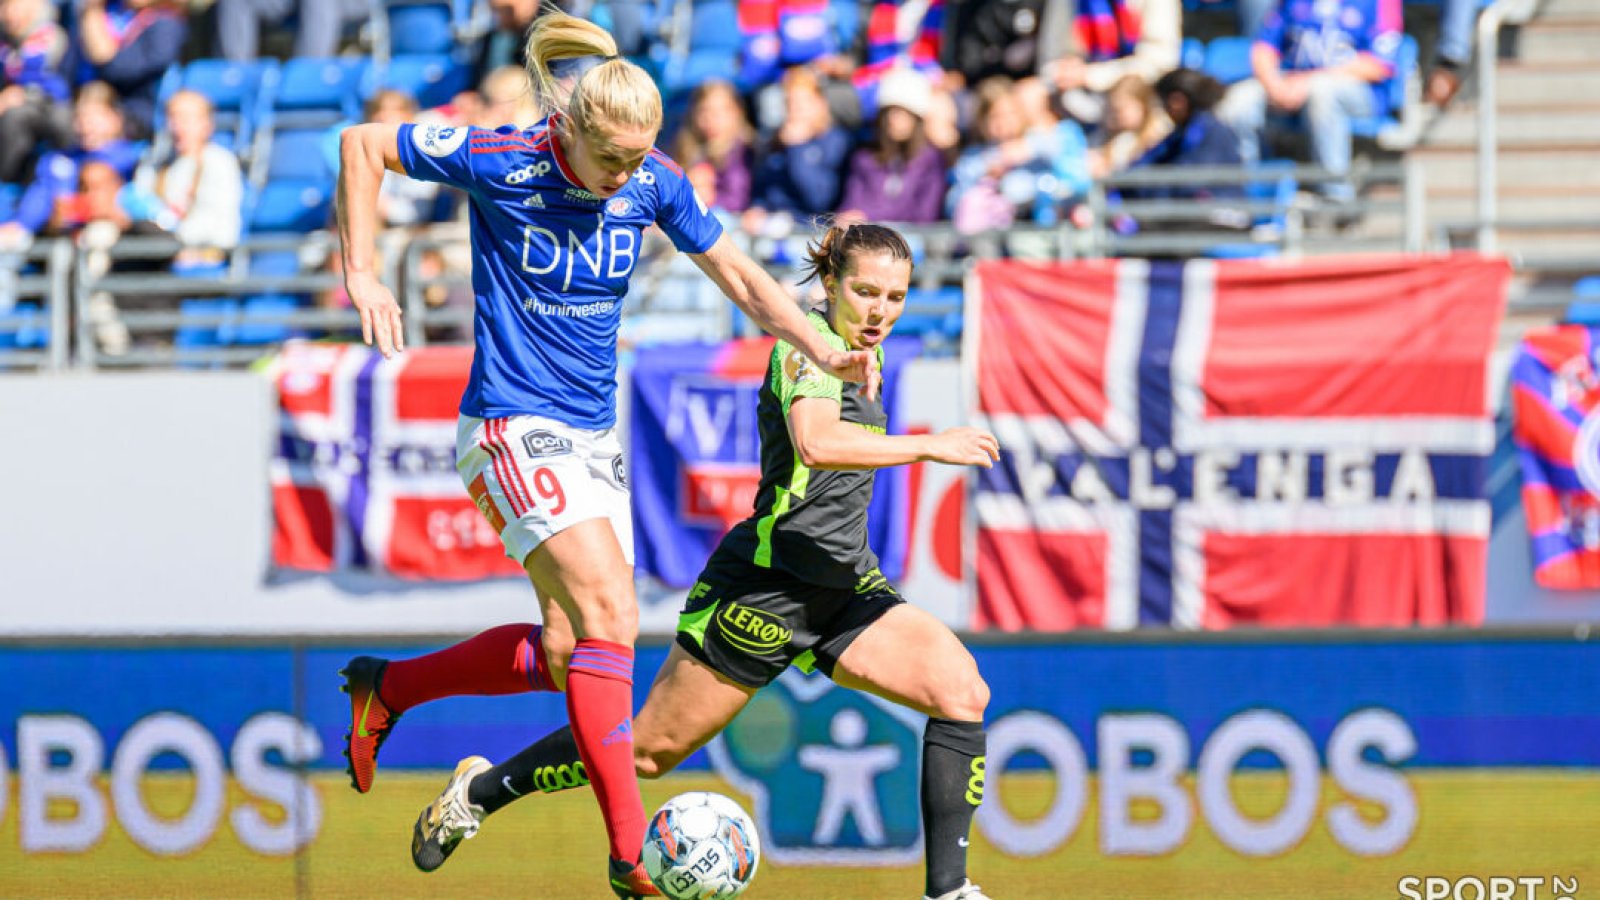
(508, 659)
(600, 707)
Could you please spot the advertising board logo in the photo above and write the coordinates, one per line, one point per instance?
(832, 773)
(711, 422)
(754, 631)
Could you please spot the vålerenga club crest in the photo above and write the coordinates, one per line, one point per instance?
(1575, 390)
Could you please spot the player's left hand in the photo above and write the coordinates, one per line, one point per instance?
(856, 367)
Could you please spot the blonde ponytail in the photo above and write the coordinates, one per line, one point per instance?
(614, 92)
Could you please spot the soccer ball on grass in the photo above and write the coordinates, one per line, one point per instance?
(701, 846)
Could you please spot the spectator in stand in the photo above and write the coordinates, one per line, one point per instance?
(507, 43)
(942, 124)
(779, 35)
(129, 44)
(801, 168)
(902, 177)
(985, 38)
(1198, 138)
(1027, 163)
(34, 110)
(1321, 61)
(317, 36)
(507, 96)
(716, 135)
(196, 193)
(1090, 45)
(1133, 123)
(402, 201)
(98, 128)
(1456, 21)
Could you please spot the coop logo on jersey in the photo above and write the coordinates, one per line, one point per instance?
(543, 443)
(535, 170)
(840, 787)
(438, 140)
(618, 206)
(754, 631)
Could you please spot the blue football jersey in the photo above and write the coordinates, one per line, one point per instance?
(551, 264)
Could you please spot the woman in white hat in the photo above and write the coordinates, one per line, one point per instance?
(901, 176)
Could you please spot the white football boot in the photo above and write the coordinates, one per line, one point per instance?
(450, 819)
(967, 891)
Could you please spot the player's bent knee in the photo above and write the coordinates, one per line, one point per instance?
(608, 615)
(963, 700)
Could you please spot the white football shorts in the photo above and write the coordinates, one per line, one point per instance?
(532, 477)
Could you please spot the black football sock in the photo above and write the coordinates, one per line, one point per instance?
(952, 788)
(548, 765)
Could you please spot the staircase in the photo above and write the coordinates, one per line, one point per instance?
(1549, 141)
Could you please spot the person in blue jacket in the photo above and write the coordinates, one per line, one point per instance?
(33, 90)
(129, 44)
(1197, 138)
(800, 173)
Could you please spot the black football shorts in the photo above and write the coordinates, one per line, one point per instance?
(750, 623)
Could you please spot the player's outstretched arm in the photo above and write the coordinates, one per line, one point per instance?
(754, 291)
(365, 151)
(824, 441)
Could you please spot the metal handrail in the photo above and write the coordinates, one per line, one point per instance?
(1500, 13)
(51, 288)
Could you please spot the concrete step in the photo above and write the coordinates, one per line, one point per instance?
(1551, 245)
(1517, 167)
(1460, 205)
(1524, 125)
(1562, 10)
(1544, 40)
(1547, 82)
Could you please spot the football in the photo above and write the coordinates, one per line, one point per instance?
(701, 846)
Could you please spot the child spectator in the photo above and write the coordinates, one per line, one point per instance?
(902, 178)
(1027, 163)
(507, 100)
(1198, 138)
(196, 193)
(129, 44)
(1133, 123)
(97, 127)
(1090, 45)
(716, 135)
(801, 169)
(402, 201)
(33, 102)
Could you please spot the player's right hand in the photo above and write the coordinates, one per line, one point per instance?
(966, 447)
(380, 314)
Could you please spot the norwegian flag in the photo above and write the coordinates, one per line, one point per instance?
(1208, 444)
(1555, 396)
(364, 476)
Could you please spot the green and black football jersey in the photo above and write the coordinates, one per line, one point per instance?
(809, 523)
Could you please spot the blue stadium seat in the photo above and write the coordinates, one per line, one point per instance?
(290, 206)
(263, 320)
(935, 312)
(9, 195)
(1228, 59)
(701, 66)
(317, 92)
(297, 154)
(206, 330)
(1193, 54)
(714, 25)
(24, 327)
(432, 78)
(846, 20)
(419, 27)
(1585, 307)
